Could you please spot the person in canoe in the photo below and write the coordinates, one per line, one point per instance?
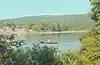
(48, 40)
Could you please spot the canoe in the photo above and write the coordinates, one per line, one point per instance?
(42, 42)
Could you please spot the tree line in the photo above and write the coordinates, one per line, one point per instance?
(44, 26)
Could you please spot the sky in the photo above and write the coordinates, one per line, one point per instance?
(21, 8)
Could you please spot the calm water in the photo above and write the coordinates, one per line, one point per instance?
(65, 41)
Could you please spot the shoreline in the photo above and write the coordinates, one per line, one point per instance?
(62, 32)
(35, 32)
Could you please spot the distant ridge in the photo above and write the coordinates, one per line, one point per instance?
(76, 18)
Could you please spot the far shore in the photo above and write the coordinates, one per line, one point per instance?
(35, 32)
(61, 32)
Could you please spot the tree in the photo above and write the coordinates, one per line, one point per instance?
(44, 27)
(90, 51)
(58, 27)
(64, 27)
(44, 55)
(6, 43)
(13, 26)
(36, 28)
(28, 25)
(2, 24)
(53, 27)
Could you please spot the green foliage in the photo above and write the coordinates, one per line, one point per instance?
(47, 26)
(68, 58)
(44, 55)
(2, 24)
(90, 51)
(54, 26)
(36, 55)
(6, 47)
(58, 27)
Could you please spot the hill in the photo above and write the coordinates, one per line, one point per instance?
(70, 19)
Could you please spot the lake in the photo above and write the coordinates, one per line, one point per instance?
(66, 42)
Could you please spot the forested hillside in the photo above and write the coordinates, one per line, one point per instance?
(52, 22)
(70, 19)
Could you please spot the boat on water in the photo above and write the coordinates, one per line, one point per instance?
(46, 42)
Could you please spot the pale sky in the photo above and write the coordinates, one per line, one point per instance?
(21, 8)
